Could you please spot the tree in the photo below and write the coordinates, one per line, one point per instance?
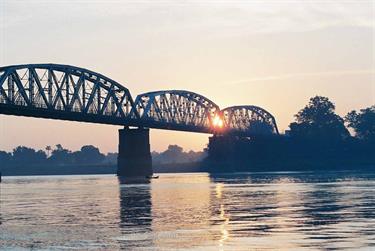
(29, 156)
(48, 149)
(110, 158)
(173, 154)
(363, 123)
(59, 147)
(61, 155)
(88, 155)
(5, 159)
(318, 121)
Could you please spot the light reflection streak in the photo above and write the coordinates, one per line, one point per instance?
(224, 217)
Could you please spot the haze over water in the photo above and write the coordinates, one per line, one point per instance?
(290, 211)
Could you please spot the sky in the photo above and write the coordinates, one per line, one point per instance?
(273, 54)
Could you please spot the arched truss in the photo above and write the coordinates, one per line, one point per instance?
(177, 108)
(47, 88)
(249, 120)
(71, 93)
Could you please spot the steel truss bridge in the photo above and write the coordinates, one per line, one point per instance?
(71, 93)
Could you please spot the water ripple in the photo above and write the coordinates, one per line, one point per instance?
(283, 211)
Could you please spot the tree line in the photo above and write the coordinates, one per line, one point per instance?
(58, 155)
(318, 138)
(176, 154)
(87, 155)
(317, 121)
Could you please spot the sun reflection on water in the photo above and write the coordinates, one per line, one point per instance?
(224, 231)
(277, 211)
(224, 217)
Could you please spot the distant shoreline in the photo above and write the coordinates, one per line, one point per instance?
(94, 169)
(183, 168)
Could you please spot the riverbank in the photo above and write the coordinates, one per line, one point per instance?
(206, 166)
(94, 169)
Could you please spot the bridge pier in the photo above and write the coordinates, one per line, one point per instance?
(134, 157)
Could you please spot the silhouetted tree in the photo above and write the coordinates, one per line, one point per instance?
(88, 155)
(319, 122)
(261, 128)
(5, 159)
(175, 154)
(171, 155)
(26, 155)
(59, 147)
(61, 155)
(363, 123)
(111, 158)
(319, 140)
(48, 149)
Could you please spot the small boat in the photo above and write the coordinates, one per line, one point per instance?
(152, 177)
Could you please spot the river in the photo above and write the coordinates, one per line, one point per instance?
(242, 211)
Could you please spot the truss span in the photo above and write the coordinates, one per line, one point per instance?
(177, 109)
(67, 92)
(249, 120)
(64, 92)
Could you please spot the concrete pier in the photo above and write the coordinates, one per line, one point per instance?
(134, 156)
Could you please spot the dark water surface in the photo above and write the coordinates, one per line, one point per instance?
(283, 211)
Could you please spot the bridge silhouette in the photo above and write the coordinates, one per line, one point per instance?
(71, 93)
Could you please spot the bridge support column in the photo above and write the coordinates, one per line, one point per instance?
(134, 157)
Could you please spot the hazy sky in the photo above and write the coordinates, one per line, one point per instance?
(274, 54)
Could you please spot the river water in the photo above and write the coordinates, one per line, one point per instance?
(252, 211)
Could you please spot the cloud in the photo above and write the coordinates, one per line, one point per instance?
(234, 17)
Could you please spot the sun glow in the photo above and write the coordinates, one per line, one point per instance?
(217, 121)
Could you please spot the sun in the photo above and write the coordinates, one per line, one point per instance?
(217, 121)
